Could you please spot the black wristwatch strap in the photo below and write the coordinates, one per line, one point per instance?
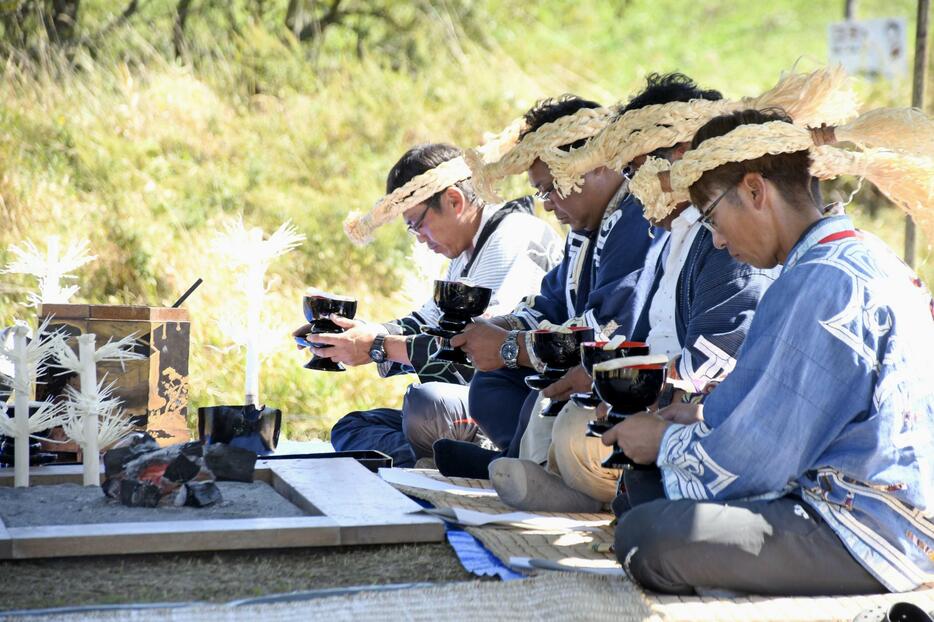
(378, 347)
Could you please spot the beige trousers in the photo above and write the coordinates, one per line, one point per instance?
(576, 457)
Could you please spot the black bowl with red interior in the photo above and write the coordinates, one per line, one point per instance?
(629, 385)
(593, 352)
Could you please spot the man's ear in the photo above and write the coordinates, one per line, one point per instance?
(754, 185)
(455, 199)
(679, 150)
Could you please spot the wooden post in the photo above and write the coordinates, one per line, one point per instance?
(91, 457)
(917, 101)
(849, 9)
(21, 406)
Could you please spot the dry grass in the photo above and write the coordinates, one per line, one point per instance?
(146, 157)
(218, 577)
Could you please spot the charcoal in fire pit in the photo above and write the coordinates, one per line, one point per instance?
(116, 459)
(230, 463)
(182, 469)
(136, 494)
(111, 487)
(198, 494)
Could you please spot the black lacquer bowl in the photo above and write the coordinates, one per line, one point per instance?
(629, 385)
(318, 308)
(459, 300)
(593, 352)
(459, 303)
(559, 351)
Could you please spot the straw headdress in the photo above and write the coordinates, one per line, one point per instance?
(507, 155)
(360, 227)
(824, 96)
(894, 151)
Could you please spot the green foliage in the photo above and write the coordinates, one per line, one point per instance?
(117, 136)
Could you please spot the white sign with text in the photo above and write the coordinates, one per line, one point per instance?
(875, 48)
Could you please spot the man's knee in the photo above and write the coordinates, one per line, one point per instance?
(647, 537)
(570, 440)
(346, 426)
(429, 411)
(570, 426)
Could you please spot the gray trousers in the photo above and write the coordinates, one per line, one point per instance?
(436, 410)
(780, 547)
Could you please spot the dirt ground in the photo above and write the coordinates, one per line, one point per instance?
(218, 577)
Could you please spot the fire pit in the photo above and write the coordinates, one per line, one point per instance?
(141, 474)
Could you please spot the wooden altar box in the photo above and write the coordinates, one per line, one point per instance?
(154, 390)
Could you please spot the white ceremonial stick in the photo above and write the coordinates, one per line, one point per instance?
(21, 408)
(88, 376)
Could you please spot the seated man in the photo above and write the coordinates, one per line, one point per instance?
(503, 247)
(807, 470)
(604, 253)
(703, 301)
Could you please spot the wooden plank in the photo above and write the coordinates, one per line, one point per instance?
(135, 313)
(351, 504)
(171, 536)
(51, 474)
(368, 510)
(65, 311)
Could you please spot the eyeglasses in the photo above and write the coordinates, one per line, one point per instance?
(543, 194)
(413, 228)
(705, 218)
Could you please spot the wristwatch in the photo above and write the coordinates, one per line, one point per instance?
(510, 350)
(377, 350)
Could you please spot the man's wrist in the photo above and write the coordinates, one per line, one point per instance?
(509, 351)
(377, 349)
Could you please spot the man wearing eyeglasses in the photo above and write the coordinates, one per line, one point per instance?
(605, 251)
(702, 304)
(503, 247)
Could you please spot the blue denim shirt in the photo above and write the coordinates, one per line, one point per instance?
(832, 397)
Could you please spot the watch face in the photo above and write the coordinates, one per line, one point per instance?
(510, 351)
(377, 355)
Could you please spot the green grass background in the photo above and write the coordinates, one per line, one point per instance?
(146, 155)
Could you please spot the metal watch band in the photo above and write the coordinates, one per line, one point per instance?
(512, 344)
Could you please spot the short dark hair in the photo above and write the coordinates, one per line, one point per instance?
(421, 159)
(550, 110)
(788, 171)
(667, 88)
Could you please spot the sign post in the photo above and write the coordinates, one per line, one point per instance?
(917, 101)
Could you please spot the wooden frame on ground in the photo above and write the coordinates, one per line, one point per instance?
(350, 504)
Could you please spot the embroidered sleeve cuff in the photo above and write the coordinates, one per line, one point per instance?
(665, 449)
(665, 459)
(394, 327)
(513, 322)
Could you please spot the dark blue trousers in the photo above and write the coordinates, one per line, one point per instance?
(379, 429)
(497, 400)
(429, 412)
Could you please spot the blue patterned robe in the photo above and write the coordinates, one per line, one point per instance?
(601, 277)
(832, 398)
